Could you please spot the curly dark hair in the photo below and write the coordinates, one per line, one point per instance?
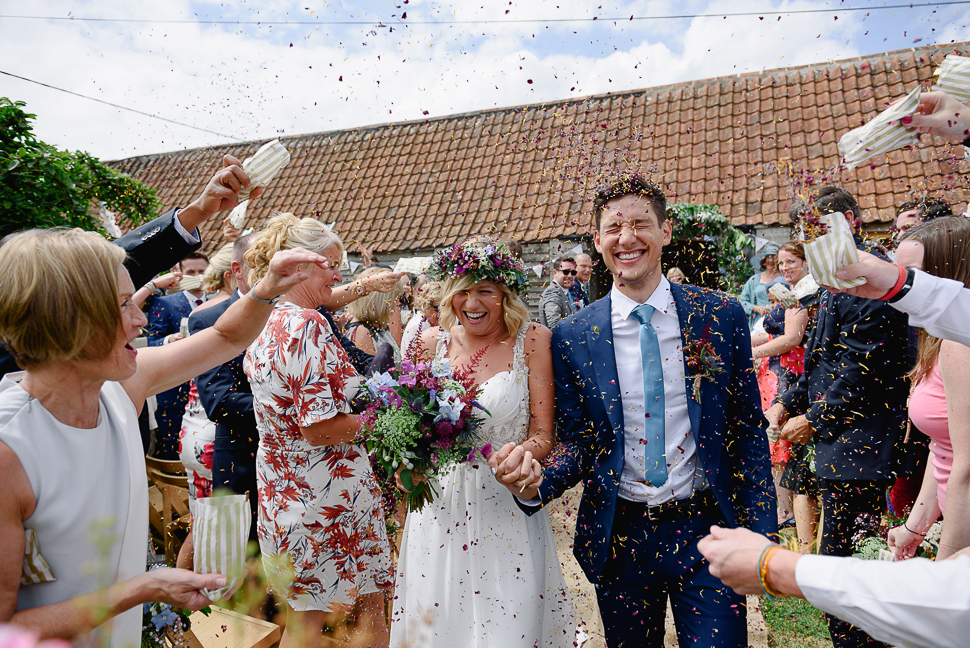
(630, 185)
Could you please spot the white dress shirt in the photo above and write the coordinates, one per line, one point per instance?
(941, 306)
(683, 470)
(911, 603)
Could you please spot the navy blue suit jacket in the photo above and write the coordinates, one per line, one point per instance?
(224, 390)
(165, 317)
(727, 423)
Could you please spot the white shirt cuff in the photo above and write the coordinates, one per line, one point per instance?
(190, 237)
(535, 502)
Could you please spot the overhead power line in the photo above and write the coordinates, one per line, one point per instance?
(198, 21)
(108, 103)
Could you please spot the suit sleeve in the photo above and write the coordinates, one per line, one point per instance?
(566, 464)
(158, 323)
(745, 440)
(219, 393)
(154, 247)
(871, 335)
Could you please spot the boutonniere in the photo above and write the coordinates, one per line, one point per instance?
(702, 362)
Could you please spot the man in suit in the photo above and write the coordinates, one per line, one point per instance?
(164, 326)
(853, 395)
(158, 245)
(555, 302)
(666, 442)
(584, 270)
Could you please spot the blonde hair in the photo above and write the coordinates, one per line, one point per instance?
(59, 296)
(514, 311)
(285, 232)
(214, 277)
(376, 308)
(430, 293)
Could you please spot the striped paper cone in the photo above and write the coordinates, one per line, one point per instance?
(834, 250)
(263, 167)
(879, 135)
(953, 77)
(220, 533)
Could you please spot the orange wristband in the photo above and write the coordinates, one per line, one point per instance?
(900, 282)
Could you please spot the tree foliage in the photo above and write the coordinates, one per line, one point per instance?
(41, 186)
(703, 231)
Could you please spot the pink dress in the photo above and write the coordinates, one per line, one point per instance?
(927, 410)
(321, 525)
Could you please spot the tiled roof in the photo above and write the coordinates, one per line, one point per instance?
(746, 143)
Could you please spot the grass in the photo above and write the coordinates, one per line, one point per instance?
(794, 623)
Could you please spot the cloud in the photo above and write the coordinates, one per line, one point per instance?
(261, 81)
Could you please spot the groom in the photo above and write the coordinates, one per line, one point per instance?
(659, 416)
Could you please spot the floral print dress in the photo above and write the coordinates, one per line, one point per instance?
(321, 527)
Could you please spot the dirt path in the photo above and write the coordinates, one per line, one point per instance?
(562, 515)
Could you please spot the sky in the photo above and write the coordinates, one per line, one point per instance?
(252, 71)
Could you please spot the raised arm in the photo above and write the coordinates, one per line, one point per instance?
(161, 368)
(796, 320)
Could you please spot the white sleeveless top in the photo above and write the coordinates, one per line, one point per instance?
(91, 494)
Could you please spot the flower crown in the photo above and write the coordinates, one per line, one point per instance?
(483, 261)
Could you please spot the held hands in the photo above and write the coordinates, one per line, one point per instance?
(416, 478)
(797, 430)
(514, 468)
(222, 192)
(286, 270)
(179, 587)
(776, 415)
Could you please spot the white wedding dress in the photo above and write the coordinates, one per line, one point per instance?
(474, 570)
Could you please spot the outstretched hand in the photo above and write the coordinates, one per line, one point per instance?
(220, 194)
(514, 468)
(288, 268)
(880, 276)
(180, 587)
(940, 114)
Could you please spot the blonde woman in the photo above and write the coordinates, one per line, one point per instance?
(374, 317)
(321, 527)
(426, 303)
(474, 570)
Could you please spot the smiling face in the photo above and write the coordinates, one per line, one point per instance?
(566, 274)
(631, 239)
(584, 267)
(479, 309)
(792, 268)
(321, 281)
(120, 363)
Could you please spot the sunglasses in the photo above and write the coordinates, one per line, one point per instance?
(568, 272)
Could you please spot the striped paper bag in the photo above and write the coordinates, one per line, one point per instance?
(834, 250)
(220, 533)
(953, 77)
(237, 217)
(880, 135)
(263, 167)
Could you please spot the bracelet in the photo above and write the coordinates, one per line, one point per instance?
(907, 286)
(900, 281)
(763, 559)
(922, 535)
(358, 289)
(153, 289)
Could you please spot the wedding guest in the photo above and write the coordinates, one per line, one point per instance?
(853, 393)
(75, 406)
(156, 286)
(164, 325)
(469, 558)
(321, 530)
(584, 270)
(914, 212)
(371, 318)
(754, 295)
(939, 403)
(798, 475)
(662, 454)
(197, 436)
(555, 303)
(676, 275)
(426, 303)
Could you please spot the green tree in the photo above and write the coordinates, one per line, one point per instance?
(41, 186)
(710, 244)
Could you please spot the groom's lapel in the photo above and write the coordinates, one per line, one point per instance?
(599, 339)
(693, 321)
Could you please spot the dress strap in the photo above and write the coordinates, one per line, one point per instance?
(444, 339)
(518, 354)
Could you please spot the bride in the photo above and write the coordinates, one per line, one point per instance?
(474, 570)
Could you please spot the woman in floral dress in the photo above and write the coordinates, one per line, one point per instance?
(321, 527)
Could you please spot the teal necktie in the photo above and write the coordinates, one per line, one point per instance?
(654, 450)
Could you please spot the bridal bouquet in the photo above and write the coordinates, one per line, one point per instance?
(423, 419)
